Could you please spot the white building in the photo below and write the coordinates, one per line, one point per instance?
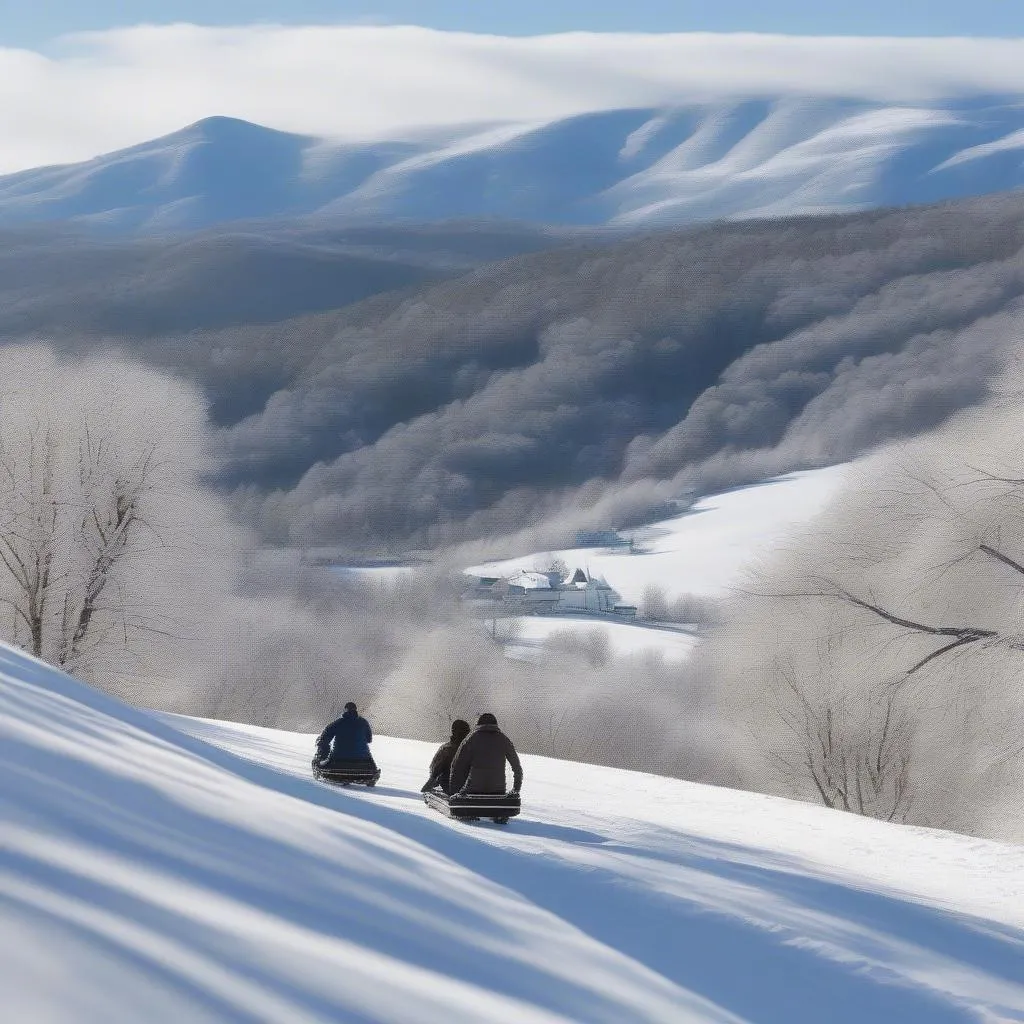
(529, 592)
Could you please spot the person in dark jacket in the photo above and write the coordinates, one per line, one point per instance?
(479, 764)
(440, 766)
(346, 739)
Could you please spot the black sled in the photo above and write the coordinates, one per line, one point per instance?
(499, 807)
(345, 773)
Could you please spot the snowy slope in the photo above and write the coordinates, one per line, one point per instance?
(624, 638)
(148, 875)
(218, 169)
(698, 161)
(704, 551)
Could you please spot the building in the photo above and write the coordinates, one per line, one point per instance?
(531, 592)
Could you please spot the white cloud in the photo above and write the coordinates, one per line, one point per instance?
(100, 91)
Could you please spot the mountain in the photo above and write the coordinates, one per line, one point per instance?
(170, 869)
(219, 169)
(531, 390)
(633, 167)
(392, 387)
(58, 279)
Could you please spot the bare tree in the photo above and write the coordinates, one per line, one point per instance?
(504, 630)
(856, 753)
(911, 584)
(559, 566)
(592, 646)
(695, 609)
(972, 516)
(107, 538)
(555, 732)
(459, 693)
(74, 511)
(442, 674)
(654, 603)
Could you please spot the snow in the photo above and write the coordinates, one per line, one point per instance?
(674, 643)
(530, 580)
(704, 551)
(383, 574)
(94, 91)
(803, 157)
(622, 161)
(168, 869)
(1011, 143)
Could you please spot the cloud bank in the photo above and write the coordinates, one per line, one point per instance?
(96, 92)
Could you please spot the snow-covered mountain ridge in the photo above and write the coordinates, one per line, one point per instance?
(629, 168)
(166, 869)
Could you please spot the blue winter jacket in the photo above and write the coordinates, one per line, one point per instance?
(351, 735)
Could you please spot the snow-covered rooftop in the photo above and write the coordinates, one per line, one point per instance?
(529, 580)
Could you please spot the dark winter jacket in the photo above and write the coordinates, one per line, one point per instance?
(351, 735)
(440, 765)
(479, 765)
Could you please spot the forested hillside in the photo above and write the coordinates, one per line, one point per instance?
(605, 373)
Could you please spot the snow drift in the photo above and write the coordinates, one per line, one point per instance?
(148, 874)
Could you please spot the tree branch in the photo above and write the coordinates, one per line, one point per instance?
(1005, 559)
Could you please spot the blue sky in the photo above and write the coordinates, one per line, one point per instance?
(77, 98)
(32, 24)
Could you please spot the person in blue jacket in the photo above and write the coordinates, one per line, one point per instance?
(346, 739)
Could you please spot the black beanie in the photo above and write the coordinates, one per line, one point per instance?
(487, 719)
(350, 706)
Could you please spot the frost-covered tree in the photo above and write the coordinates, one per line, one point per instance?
(875, 664)
(106, 533)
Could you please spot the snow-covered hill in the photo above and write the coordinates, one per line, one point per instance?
(534, 638)
(704, 550)
(701, 553)
(631, 167)
(165, 869)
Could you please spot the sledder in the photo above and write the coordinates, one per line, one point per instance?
(441, 765)
(343, 751)
(477, 777)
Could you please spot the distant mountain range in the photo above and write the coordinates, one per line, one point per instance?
(382, 388)
(630, 168)
(57, 280)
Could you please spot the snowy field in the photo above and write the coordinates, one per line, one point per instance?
(703, 551)
(384, 574)
(165, 870)
(624, 638)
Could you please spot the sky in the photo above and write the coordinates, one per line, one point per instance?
(81, 79)
(34, 24)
